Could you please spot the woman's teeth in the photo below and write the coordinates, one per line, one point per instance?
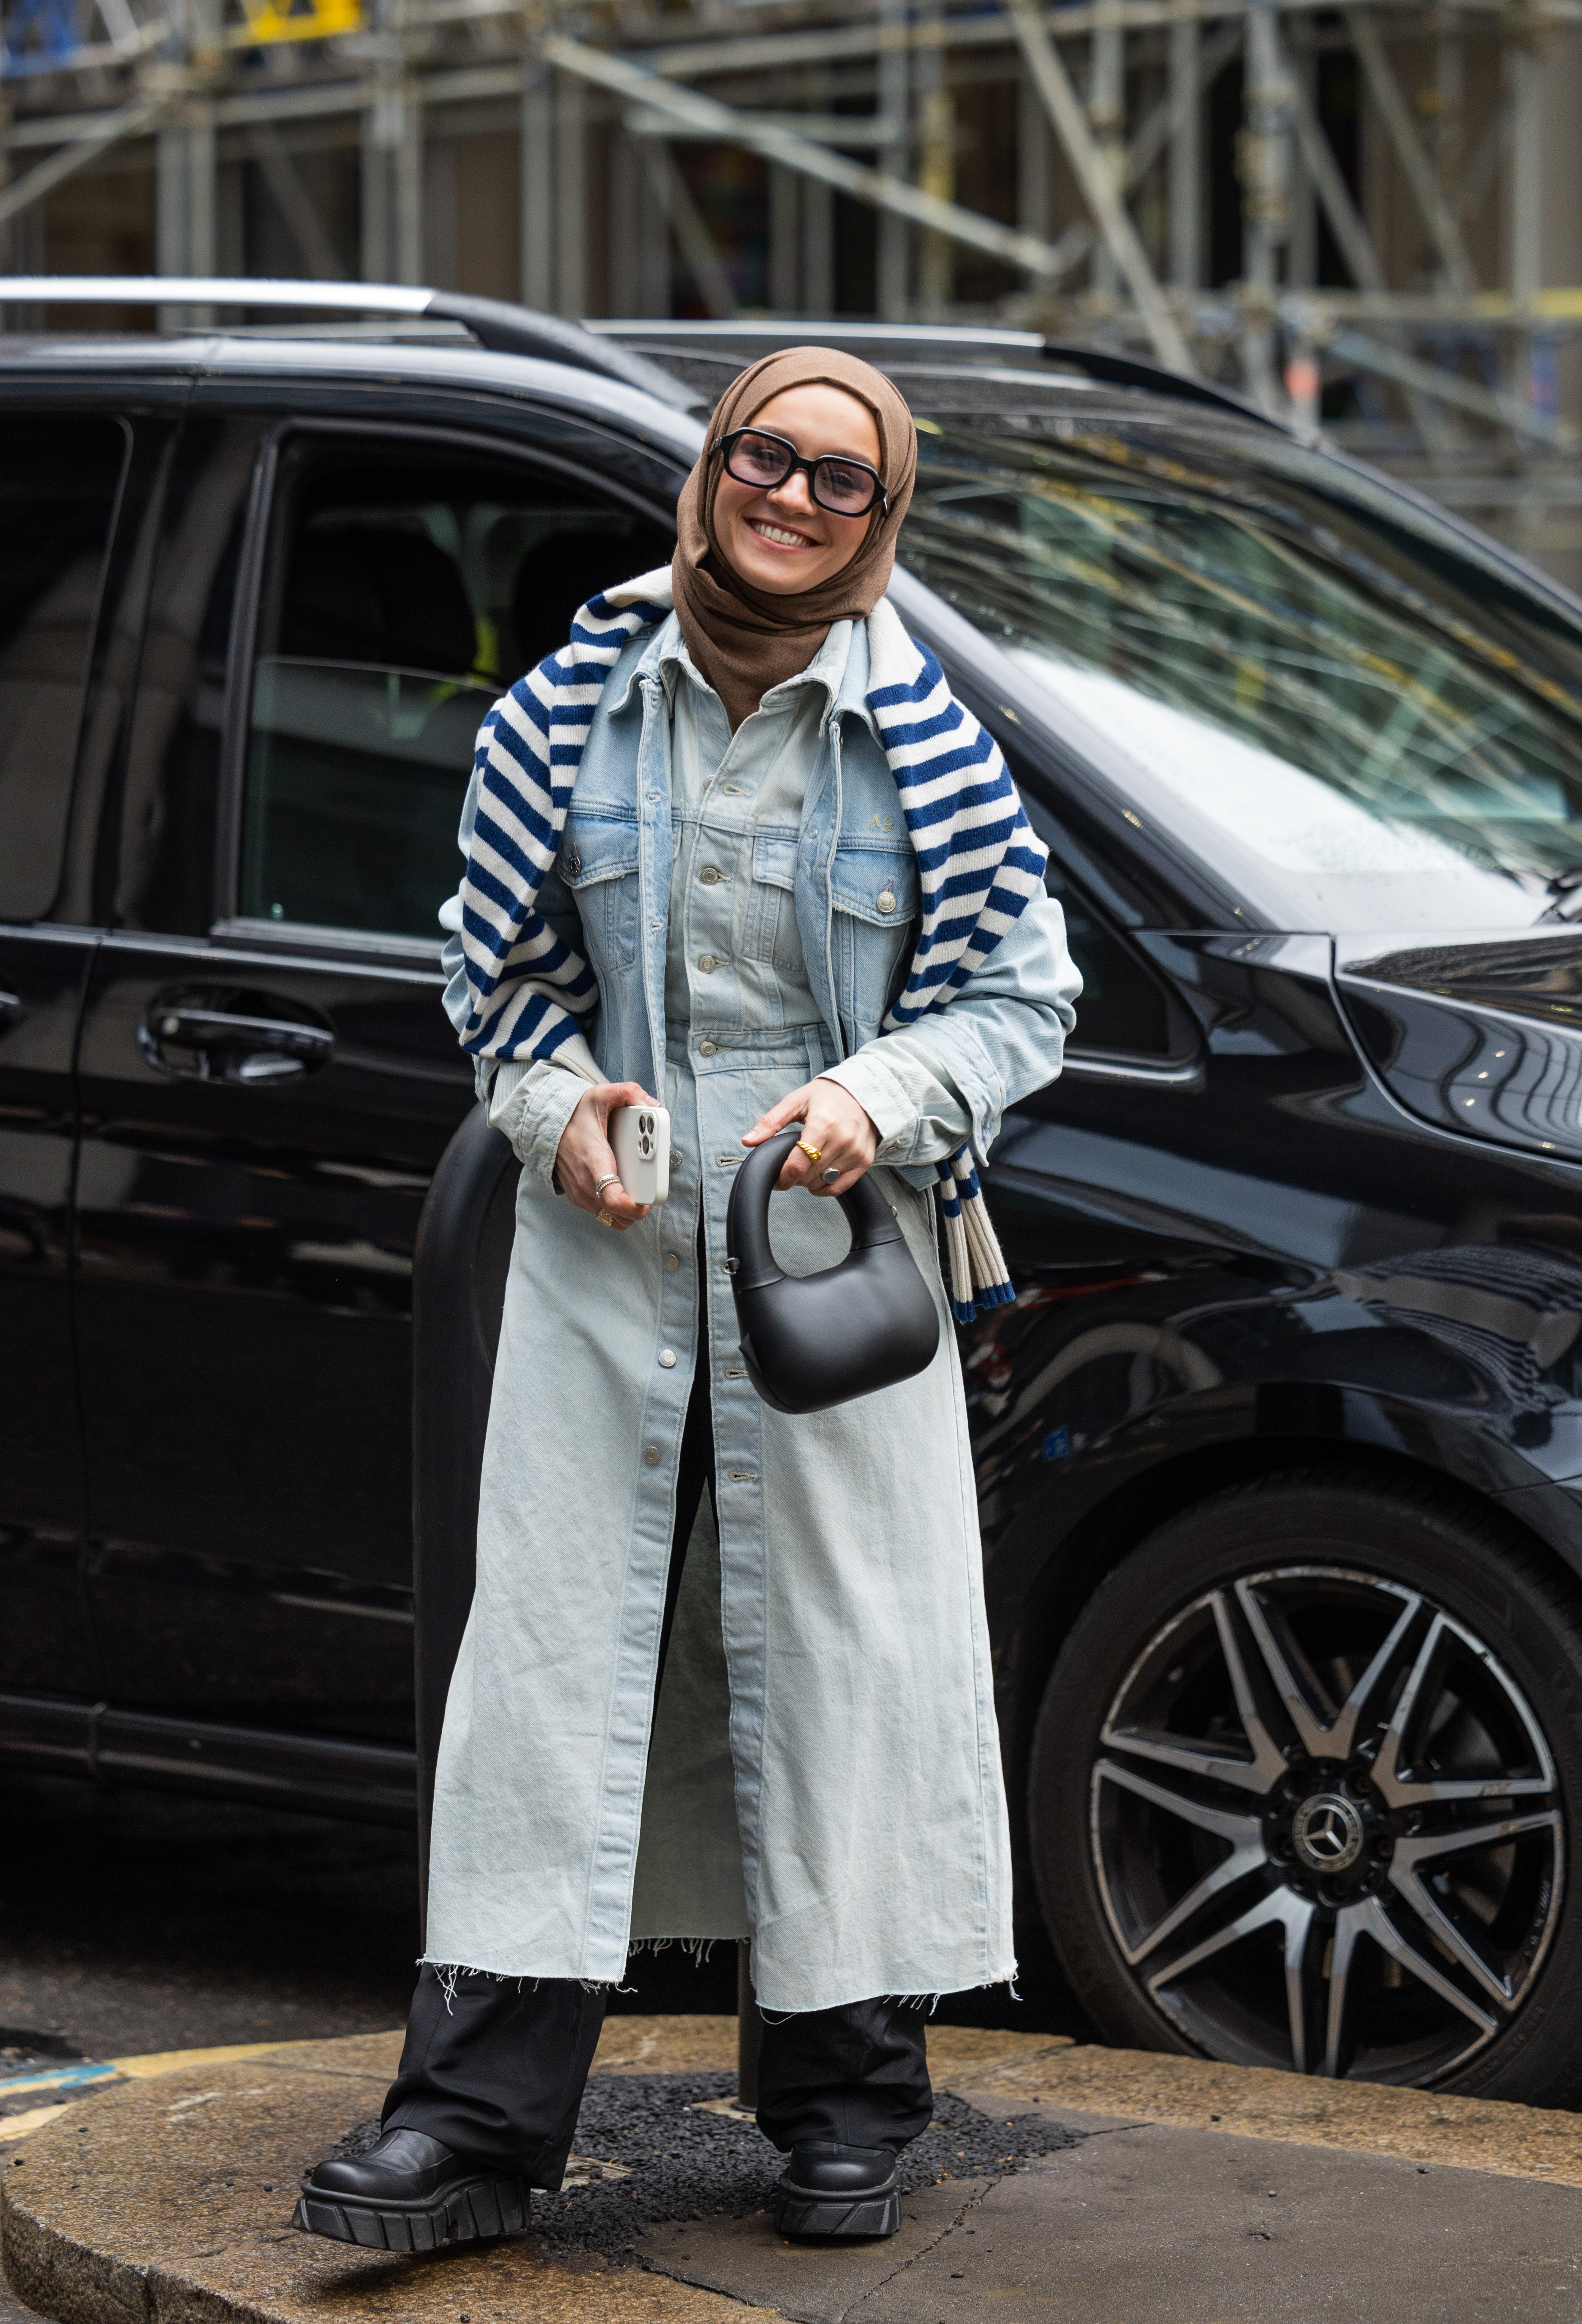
(779, 534)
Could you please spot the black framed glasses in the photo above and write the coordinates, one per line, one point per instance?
(845, 487)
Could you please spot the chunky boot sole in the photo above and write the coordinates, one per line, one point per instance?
(798, 2211)
(478, 2207)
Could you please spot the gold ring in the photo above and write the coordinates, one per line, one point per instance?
(814, 1153)
(605, 1220)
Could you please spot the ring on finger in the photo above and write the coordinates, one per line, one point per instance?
(609, 1179)
(605, 1218)
(814, 1153)
(830, 1176)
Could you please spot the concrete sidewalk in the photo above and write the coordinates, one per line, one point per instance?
(1187, 2194)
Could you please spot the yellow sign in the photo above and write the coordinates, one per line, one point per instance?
(285, 20)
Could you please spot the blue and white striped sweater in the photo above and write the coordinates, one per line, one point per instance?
(979, 863)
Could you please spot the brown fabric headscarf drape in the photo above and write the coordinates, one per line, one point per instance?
(745, 639)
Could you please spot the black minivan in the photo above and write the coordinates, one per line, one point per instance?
(1279, 1447)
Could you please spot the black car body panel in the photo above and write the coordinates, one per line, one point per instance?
(1297, 1198)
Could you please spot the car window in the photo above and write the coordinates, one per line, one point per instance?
(58, 482)
(407, 588)
(1122, 1011)
(1315, 683)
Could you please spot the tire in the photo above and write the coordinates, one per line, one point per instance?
(1243, 1879)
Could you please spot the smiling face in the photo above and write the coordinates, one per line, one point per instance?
(783, 541)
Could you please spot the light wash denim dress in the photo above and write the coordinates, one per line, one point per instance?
(821, 1773)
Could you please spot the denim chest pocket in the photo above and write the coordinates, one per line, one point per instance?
(598, 860)
(769, 931)
(877, 896)
(878, 884)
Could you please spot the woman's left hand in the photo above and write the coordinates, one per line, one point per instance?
(838, 1128)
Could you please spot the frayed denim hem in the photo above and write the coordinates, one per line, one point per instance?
(700, 1948)
(446, 1974)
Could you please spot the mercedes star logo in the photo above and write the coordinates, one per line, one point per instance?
(1327, 1832)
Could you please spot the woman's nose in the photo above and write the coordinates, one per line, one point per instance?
(794, 494)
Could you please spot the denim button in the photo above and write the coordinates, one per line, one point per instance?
(668, 1359)
(708, 960)
(671, 1262)
(705, 1048)
(710, 877)
(885, 900)
(651, 1455)
(573, 863)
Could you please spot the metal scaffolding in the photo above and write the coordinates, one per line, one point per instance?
(1366, 217)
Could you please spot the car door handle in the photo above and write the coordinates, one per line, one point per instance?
(200, 1043)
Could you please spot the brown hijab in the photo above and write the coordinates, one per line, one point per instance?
(745, 639)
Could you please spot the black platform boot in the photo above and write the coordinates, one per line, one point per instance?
(826, 2190)
(411, 2193)
(483, 2108)
(842, 2091)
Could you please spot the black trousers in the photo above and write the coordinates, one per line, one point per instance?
(498, 2071)
(496, 2067)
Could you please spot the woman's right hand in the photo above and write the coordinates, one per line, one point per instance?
(584, 1157)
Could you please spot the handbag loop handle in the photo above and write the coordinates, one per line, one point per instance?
(746, 1228)
(810, 1341)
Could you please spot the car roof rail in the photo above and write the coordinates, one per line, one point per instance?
(944, 341)
(1126, 371)
(496, 323)
(829, 330)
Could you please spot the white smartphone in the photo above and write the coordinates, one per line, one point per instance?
(640, 1139)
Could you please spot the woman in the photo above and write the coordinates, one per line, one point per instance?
(736, 842)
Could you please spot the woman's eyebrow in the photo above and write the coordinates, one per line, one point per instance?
(786, 437)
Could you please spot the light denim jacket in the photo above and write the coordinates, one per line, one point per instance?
(608, 895)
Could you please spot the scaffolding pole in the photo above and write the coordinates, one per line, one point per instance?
(102, 130)
(1098, 186)
(1265, 176)
(1184, 116)
(705, 116)
(1107, 118)
(699, 254)
(536, 166)
(893, 249)
(1420, 172)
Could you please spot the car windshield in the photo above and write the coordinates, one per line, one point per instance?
(1326, 688)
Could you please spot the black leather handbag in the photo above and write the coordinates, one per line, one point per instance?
(813, 1340)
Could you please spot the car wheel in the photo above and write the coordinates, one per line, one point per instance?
(1301, 1786)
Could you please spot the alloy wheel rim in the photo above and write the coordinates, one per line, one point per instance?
(1326, 1827)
